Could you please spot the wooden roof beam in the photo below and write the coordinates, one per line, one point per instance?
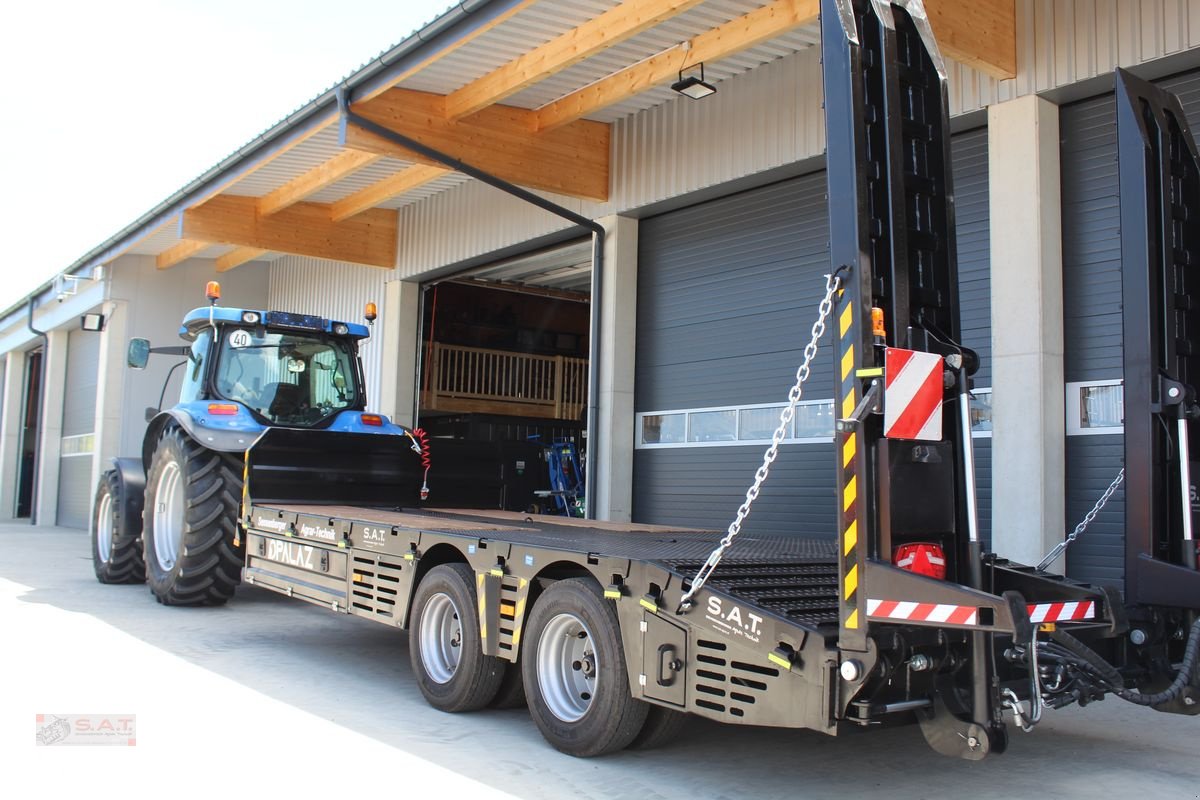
(572, 159)
(981, 34)
(599, 33)
(238, 256)
(723, 41)
(303, 229)
(316, 179)
(181, 251)
(383, 190)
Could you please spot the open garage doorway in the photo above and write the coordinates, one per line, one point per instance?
(505, 353)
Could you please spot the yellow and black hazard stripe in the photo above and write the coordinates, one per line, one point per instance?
(850, 441)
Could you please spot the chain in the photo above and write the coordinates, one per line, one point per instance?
(1061, 547)
(832, 282)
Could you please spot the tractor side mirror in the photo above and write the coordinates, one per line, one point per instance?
(139, 353)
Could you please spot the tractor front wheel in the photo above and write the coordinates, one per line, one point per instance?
(190, 522)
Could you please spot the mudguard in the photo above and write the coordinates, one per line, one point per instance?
(132, 480)
(231, 439)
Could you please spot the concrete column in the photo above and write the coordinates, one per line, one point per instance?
(401, 331)
(110, 368)
(10, 431)
(1029, 493)
(50, 435)
(612, 480)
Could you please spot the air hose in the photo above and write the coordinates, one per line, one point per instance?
(426, 460)
(1109, 674)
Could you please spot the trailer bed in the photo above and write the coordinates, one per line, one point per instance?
(794, 578)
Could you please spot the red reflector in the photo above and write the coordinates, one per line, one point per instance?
(922, 558)
(372, 419)
(222, 409)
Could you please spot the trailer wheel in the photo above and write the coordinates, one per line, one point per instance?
(190, 522)
(574, 670)
(663, 726)
(511, 693)
(444, 645)
(115, 558)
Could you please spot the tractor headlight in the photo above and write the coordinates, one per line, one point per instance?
(341, 329)
(251, 317)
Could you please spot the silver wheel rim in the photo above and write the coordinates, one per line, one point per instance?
(104, 528)
(441, 638)
(567, 669)
(168, 516)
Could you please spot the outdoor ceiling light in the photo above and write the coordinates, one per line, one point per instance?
(92, 322)
(694, 87)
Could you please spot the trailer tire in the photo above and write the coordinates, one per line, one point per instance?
(445, 619)
(189, 530)
(511, 693)
(575, 675)
(663, 726)
(115, 558)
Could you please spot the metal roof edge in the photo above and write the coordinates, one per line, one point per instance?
(443, 31)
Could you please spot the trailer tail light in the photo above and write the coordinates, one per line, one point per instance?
(923, 558)
(222, 409)
(372, 419)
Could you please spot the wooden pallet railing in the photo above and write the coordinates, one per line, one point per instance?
(474, 379)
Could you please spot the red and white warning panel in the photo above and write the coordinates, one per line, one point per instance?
(900, 610)
(912, 397)
(1062, 612)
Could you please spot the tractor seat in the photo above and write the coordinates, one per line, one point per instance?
(286, 399)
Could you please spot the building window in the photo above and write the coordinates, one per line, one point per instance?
(981, 413)
(1095, 407)
(735, 425)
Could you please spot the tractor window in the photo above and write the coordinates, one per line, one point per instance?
(288, 378)
(192, 387)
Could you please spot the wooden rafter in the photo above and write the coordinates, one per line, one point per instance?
(315, 180)
(181, 251)
(599, 33)
(723, 41)
(448, 49)
(981, 34)
(571, 160)
(303, 229)
(238, 256)
(383, 190)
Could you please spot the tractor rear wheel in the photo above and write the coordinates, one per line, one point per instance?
(190, 522)
(116, 554)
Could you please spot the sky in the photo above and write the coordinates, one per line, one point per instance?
(109, 107)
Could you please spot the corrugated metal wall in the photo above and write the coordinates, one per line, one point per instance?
(334, 290)
(973, 234)
(771, 117)
(1092, 313)
(726, 292)
(78, 422)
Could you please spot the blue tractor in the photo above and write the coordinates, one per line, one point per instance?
(170, 517)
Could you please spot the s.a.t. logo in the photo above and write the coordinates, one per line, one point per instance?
(732, 620)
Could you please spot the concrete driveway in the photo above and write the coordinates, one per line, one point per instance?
(274, 696)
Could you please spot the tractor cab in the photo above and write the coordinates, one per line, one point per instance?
(281, 369)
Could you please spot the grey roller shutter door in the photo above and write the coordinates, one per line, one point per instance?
(78, 423)
(727, 292)
(1092, 314)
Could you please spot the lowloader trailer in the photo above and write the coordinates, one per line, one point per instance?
(615, 632)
